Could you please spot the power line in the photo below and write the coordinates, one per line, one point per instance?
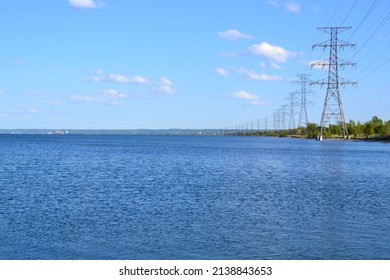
(353, 6)
(381, 24)
(373, 5)
(376, 69)
(376, 27)
(334, 12)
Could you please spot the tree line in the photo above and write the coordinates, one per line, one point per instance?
(375, 128)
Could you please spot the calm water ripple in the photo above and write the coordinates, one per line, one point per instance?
(148, 197)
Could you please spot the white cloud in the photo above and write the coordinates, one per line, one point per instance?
(163, 86)
(85, 99)
(164, 81)
(253, 75)
(84, 4)
(242, 94)
(293, 7)
(290, 6)
(109, 97)
(117, 78)
(112, 93)
(222, 71)
(273, 3)
(264, 77)
(274, 53)
(256, 103)
(252, 99)
(138, 80)
(99, 76)
(234, 35)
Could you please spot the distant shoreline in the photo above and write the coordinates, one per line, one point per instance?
(171, 131)
(167, 132)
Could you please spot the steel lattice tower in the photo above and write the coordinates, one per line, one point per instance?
(333, 107)
(304, 82)
(283, 116)
(293, 102)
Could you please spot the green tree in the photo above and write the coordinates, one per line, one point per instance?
(354, 128)
(386, 130)
(358, 129)
(378, 124)
(334, 129)
(351, 126)
(368, 128)
(327, 133)
(312, 130)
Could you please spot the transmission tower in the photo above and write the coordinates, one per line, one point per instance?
(333, 107)
(283, 116)
(292, 97)
(277, 120)
(304, 82)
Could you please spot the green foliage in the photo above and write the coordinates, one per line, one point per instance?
(312, 130)
(354, 129)
(368, 129)
(386, 130)
(374, 129)
(358, 129)
(378, 124)
(283, 133)
(327, 133)
(333, 130)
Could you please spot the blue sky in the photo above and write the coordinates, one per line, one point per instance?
(181, 64)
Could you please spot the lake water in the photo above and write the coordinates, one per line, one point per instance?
(149, 197)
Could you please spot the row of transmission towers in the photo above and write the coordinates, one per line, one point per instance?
(296, 99)
(333, 106)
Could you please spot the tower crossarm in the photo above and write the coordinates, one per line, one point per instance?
(319, 82)
(342, 44)
(330, 29)
(324, 45)
(338, 44)
(341, 82)
(319, 64)
(325, 63)
(344, 82)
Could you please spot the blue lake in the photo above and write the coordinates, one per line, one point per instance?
(149, 197)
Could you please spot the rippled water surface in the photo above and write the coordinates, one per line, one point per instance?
(148, 197)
